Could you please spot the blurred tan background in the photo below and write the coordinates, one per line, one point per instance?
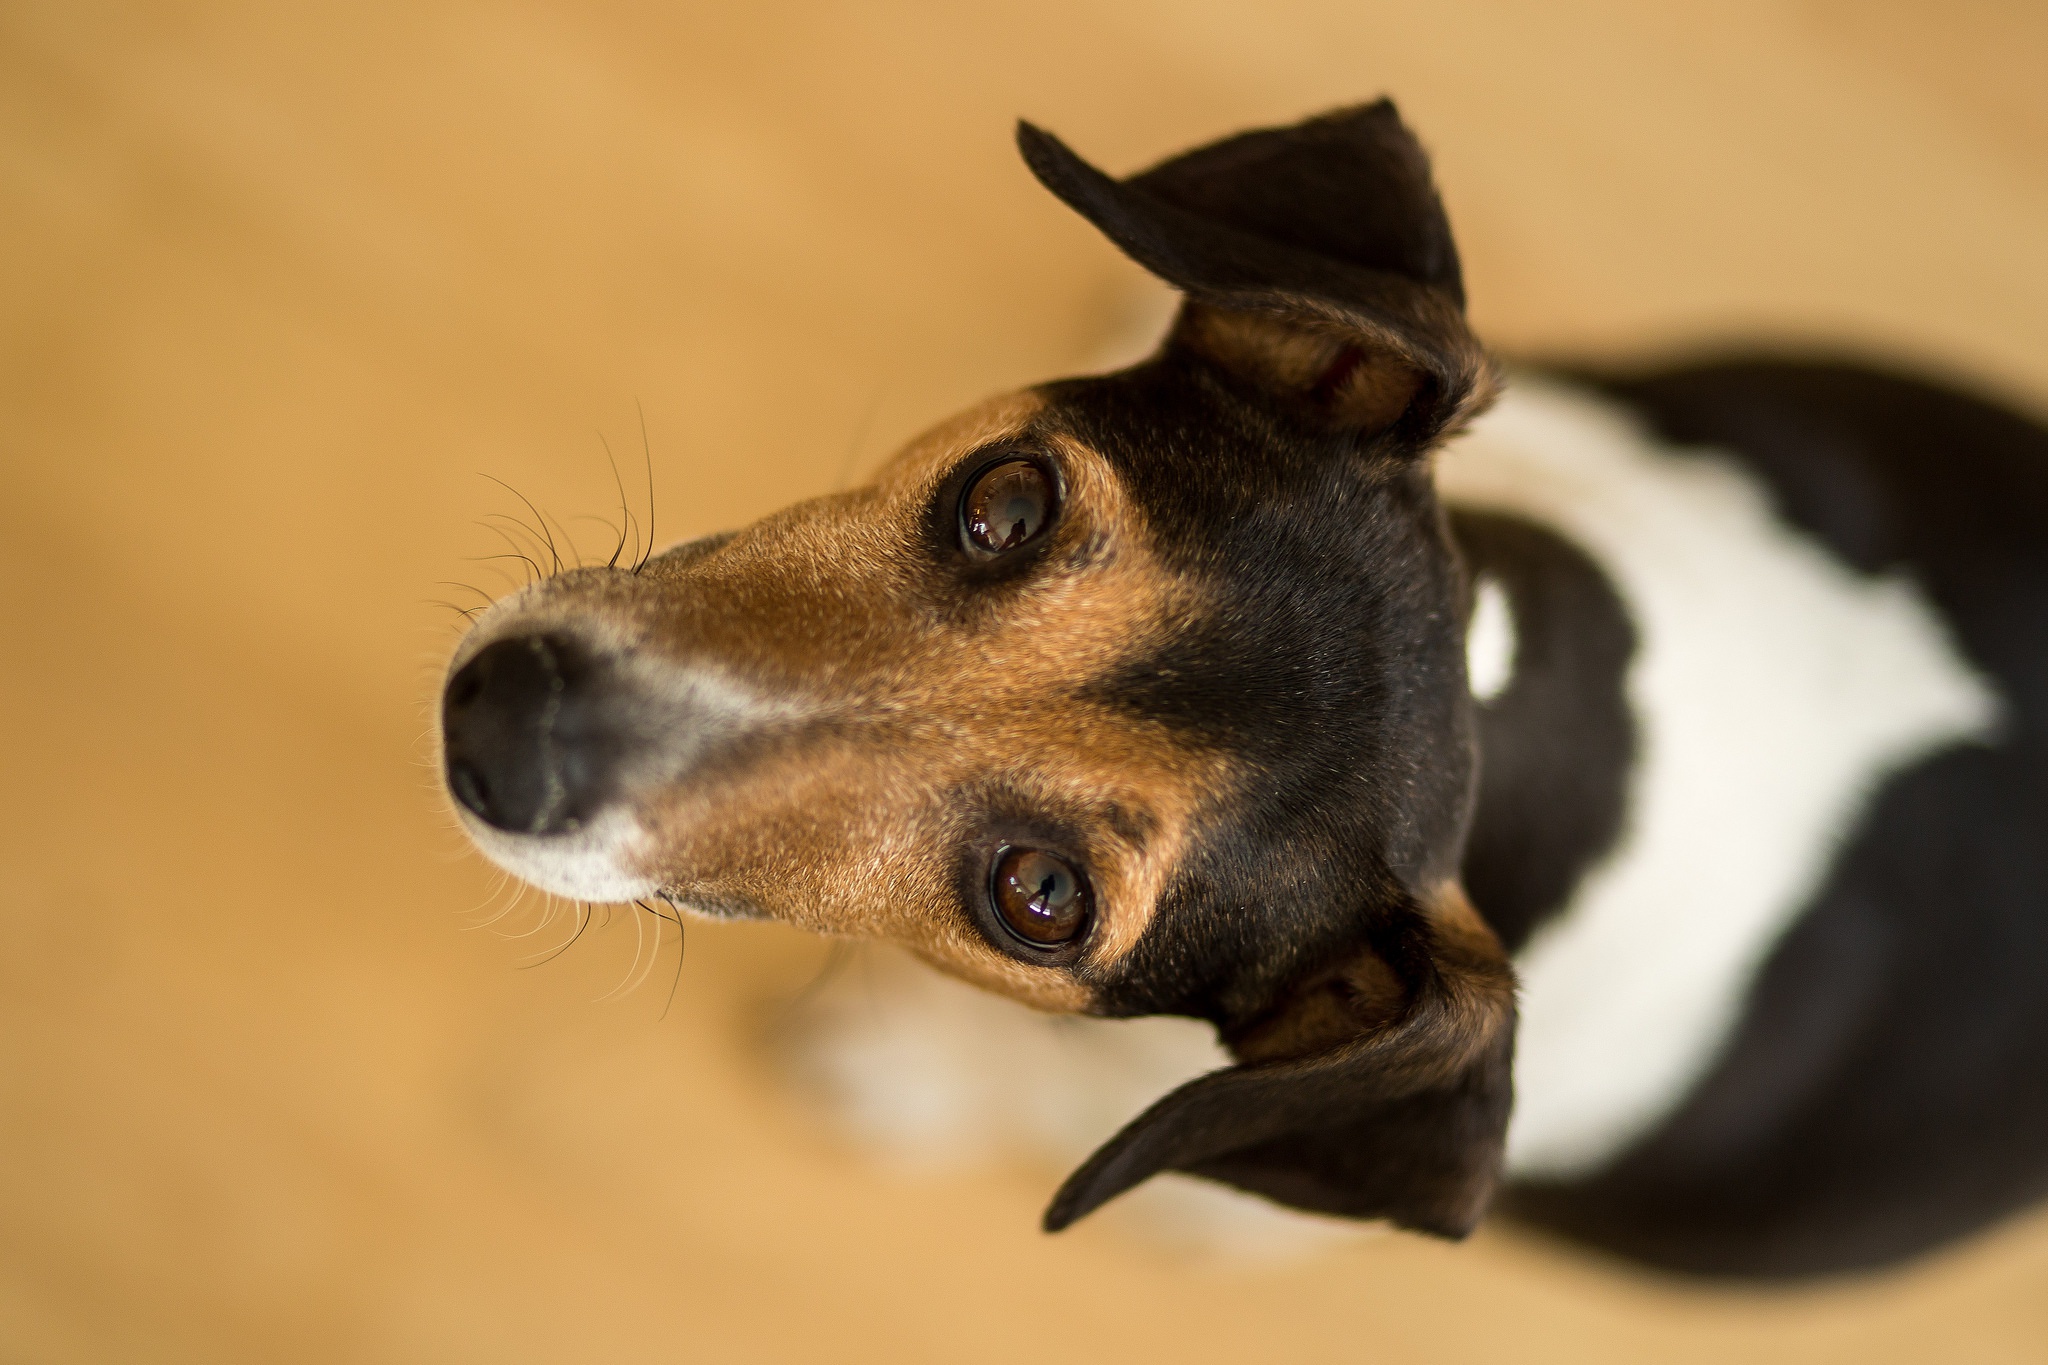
(277, 282)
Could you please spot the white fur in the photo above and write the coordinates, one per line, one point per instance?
(1490, 641)
(928, 1073)
(589, 864)
(1773, 690)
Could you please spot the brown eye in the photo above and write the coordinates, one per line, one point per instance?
(1006, 505)
(1041, 898)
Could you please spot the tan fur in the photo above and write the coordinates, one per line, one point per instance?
(871, 710)
(1357, 385)
(1443, 1027)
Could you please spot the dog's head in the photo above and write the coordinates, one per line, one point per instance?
(1134, 694)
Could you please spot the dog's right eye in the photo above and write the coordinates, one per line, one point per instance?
(1041, 897)
(1004, 507)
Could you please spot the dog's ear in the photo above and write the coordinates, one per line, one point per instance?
(1379, 1089)
(1316, 259)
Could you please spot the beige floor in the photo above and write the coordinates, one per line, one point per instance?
(278, 282)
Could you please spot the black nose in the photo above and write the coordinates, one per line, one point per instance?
(529, 744)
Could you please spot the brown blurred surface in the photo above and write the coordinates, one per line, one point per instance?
(277, 281)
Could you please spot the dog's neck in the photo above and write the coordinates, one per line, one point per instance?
(1550, 645)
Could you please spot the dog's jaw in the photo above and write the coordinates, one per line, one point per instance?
(596, 863)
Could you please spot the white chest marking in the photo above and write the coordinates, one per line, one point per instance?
(1773, 690)
(1490, 641)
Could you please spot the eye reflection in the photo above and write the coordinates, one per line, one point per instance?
(1005, 506)
(1040, 896)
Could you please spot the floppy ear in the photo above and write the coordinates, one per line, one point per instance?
(1378, 1090)
(1316, 260)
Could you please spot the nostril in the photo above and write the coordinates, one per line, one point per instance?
(465, 687)
(469, 788)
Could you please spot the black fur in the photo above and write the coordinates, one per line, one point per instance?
(1403, 1121)
(1332, 223)
(1557, 744)
(1339, 691)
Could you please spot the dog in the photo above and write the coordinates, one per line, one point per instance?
(1615, 798)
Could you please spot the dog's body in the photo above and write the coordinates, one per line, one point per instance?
(1748, 777)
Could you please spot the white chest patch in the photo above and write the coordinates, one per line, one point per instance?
(1490, 641)
(1773, 688)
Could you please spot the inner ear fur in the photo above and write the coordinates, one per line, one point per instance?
(1379, 1088)
(1340, 377)
(1316, 259)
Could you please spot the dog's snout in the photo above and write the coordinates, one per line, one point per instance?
(525, 731)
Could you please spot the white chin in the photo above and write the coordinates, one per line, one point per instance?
(590, 865)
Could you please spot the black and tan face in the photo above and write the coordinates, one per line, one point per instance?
(1130, 694)
(877, 714)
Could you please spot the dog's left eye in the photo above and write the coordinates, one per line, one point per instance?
(1005, 506)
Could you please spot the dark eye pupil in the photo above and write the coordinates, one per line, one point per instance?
(1040, 897)
(1006, 505)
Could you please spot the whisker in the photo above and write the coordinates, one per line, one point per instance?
(519, 546)
(654, 956)
(647, 455)
(625, 512)
(567, 539)
(466, 587)
(633, 977)
(526, 541)
(583, 918)
(527, 561)
(547, 913)
(604, 521)
(675, 917)
(497, 890)
(552, 549)
(518, 894)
